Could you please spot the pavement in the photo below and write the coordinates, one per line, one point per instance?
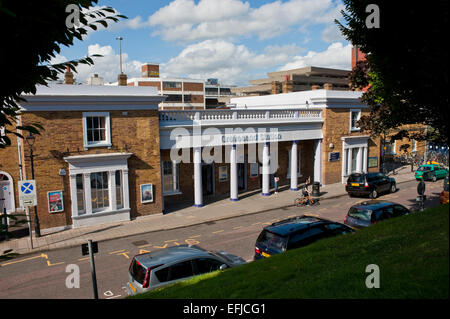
(249, 203)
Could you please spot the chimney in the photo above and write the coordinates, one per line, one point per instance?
(122, 79)
(150, 70)
(276, 87)
(288, 84)
(328, 86)
(315, 87)
(68, 76)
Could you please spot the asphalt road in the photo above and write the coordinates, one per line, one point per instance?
(44, 275)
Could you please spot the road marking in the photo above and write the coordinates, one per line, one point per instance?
(196, 236)
(144, 246)
(292, 216)
(115, 252)
(50, 264)
(169, 241)
(218, 231)
(22, 260)
(237, 227)
(86, 258)
(161, 247)
(257, 223)
(190, 241)
(143, 251)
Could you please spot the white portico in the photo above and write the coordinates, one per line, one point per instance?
(245, 136)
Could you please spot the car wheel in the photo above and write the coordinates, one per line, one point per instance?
(374, 194)
(393, 188)
(434, 178)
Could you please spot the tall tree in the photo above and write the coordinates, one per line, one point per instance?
(407, 63)
(31, 34)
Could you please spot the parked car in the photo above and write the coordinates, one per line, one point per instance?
(444, 193)
(294, 233)
(430, 172)
(166, 266)
(367, 213)
(372, 184)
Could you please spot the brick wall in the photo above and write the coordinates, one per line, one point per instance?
(337, 125)
(136, 132)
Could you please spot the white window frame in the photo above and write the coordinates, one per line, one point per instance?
(414, 145)
(107, 142)
(355, 129)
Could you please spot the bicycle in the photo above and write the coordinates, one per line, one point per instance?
(306, 201)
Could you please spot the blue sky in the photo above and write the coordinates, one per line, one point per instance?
(232, 40)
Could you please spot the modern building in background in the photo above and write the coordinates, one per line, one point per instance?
(302, 79)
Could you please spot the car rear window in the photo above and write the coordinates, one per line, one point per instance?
(360, 213)
(137, 271)
(273, 241)
(357, 178)
(424, 168)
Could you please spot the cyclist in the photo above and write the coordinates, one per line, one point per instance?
(305, 192)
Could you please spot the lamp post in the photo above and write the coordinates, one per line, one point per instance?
(30, 141)
(120, 45)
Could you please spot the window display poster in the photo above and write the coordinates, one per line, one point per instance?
(223, 173)
(146, 193)
(55, 201)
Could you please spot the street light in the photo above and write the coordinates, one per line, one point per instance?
(120, 44)
(30, 139)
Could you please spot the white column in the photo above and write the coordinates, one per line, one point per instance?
(233, 174)
(364, 159)
(125, 189)
(198, 192)
(73, 194)
(344, 164)
(112, 190)
(359, 156)
(87, 193)
(294, 168)
(174, 175)
(318, 161)
(349, 161)
(265, 170)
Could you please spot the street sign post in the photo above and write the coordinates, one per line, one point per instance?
(27, 193)
(91, 248)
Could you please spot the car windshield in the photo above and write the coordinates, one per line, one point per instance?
(360, 213)
(272, 241)
(137, 271)
(423, 168)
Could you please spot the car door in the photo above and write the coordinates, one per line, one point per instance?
(175, 272)
(205, 265)
(384, 183)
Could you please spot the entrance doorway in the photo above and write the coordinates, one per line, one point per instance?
(242, 174)
(6, 193)
(208, 179)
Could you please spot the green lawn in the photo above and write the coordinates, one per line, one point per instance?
(412, 253)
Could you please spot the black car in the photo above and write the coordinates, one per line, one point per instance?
(371, 184)
(294, 233)
(367, 213)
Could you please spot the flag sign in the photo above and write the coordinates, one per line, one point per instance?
(27, 193)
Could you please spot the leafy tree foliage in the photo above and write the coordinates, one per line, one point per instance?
(31, 34)
(406, 68)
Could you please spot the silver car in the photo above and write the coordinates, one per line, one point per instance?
(166, 266)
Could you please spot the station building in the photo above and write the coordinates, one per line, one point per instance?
(109, 154)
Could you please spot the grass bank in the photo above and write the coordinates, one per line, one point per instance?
(412, 253)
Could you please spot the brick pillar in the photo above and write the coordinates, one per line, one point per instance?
(68, 76)
(276, 87)
(328, 86)
(122, 79)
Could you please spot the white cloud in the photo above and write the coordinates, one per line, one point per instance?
(336, 56)
(230, 63)
(107, 66)
(332, 34)
(186, 21)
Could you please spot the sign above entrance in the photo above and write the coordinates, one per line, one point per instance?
(27, 193)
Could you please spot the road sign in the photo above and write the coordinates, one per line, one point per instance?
(27, 193)
(85, 248)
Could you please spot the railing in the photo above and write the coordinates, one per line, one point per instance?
(172, 117)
